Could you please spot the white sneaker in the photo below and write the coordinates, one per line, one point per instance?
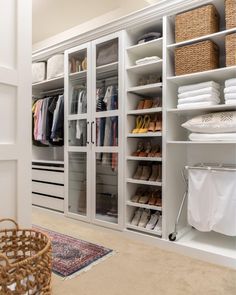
(137, 215)
(145, 218)
(153, 220)
(158, 226)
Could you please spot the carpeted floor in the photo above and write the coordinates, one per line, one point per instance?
(137, 268)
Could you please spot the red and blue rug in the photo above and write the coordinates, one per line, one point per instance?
(72, 256)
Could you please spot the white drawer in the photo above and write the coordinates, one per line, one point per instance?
(48, 176)
(48, 189)
(48, 202)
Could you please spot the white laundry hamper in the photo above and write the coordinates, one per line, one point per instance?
(55, 66)
(38, 72)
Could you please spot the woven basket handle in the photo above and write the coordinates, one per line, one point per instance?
(11, 220)
(4, 257)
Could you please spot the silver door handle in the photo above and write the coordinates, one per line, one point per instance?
(92, 133)
(87, 134)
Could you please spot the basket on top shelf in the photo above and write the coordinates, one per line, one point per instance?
(196, 23)
(230, 14)
(230, 47)
(25, 261)
(198, 57)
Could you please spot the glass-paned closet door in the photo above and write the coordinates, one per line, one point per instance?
(106, 110)
(78, 131)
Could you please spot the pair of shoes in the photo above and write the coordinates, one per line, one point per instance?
(155, 199)
(143, 196)
(145, 104)
(143, 218)
(148, 172)
(142, 124)
(155, 124)
(145, 149)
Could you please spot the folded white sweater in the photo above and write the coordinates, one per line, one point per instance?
(230, 96)
(231, 89)
(200, 98)
(230, 82)
(207, 90)
(198, 86)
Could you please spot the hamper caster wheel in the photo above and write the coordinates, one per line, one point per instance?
(172, 237)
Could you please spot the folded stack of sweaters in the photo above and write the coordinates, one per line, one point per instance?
(198, 95)
(230, 92)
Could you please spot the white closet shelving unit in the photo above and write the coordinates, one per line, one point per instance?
(48, 162)
(93, 160)
(180, 151)
(134, 94)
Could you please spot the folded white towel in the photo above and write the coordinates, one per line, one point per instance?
(230, 82)
(231, 102)
(200, 98)
(198, 86)
(212, 137)
(231, 89)
(207, 90)
(230, 96)
(196, 105)
(147, 60)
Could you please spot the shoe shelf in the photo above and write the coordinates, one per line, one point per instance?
(147, 134)
(150, 68)
(78, 76)
(150, 48)
(144, 230)
(151, 159)
(145, 182)
(201, 110)
(146, 206)
(149, 89)
(145, 111)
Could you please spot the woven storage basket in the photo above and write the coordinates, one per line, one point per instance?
(196, 23)
(25, 262)
(230, 13)
(198, 57)
(230, 44)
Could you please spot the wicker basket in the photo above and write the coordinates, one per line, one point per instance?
(198, 57)
(230, 44)
(230, 14)
(196, 23)
(25, 262)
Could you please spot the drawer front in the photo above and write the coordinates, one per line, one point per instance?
(48, 202)
(48, 176)
(48, 189)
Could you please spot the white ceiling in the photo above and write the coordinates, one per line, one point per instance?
(51, 17)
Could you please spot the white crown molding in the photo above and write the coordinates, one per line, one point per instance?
(71, 38)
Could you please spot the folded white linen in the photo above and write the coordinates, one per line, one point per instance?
(197, 86)
(230, 96)
(147, 60)
(196, 105)
(199, 98)
(212, 137)
(207, 90)
(231, 89)
(230, 82)
(231, 102)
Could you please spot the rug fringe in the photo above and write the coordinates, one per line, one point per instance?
(76, 274)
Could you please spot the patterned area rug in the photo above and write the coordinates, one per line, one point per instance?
(72, 256)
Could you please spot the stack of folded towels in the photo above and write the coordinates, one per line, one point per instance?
(230, 91)
(198, 95)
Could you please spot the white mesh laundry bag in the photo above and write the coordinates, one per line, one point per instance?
(55, 66)
(38, 72)
(212, 200)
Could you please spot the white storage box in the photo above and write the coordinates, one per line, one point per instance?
(38, 72)
(55, 66)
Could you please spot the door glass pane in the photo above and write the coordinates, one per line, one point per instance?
(78, 133)
(77, 183)
(78, 99)
(107, 187)
(107, 52)
(107, 131)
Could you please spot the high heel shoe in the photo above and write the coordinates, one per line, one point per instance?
(139, 123)
(158, 126)
(157, 103)
(147, 104)
(140, 148)
(138, 195)
(146, 172)
(140, 105)
(146, 150)
(139, 172)
(154, 174)
(146, 122)
(144, 198)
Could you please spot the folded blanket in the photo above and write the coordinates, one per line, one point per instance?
(198, 86)
(230, 82)
(212, 137)
(147, 60)
(207, 90)
(199, 98)
(230, 96)
(196, 105)
(231, 102)
(231, 89)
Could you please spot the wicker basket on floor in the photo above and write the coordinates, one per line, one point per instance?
(230, 47)
(25, 261)
(198, 57)
(196, 23)
(230, 13)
